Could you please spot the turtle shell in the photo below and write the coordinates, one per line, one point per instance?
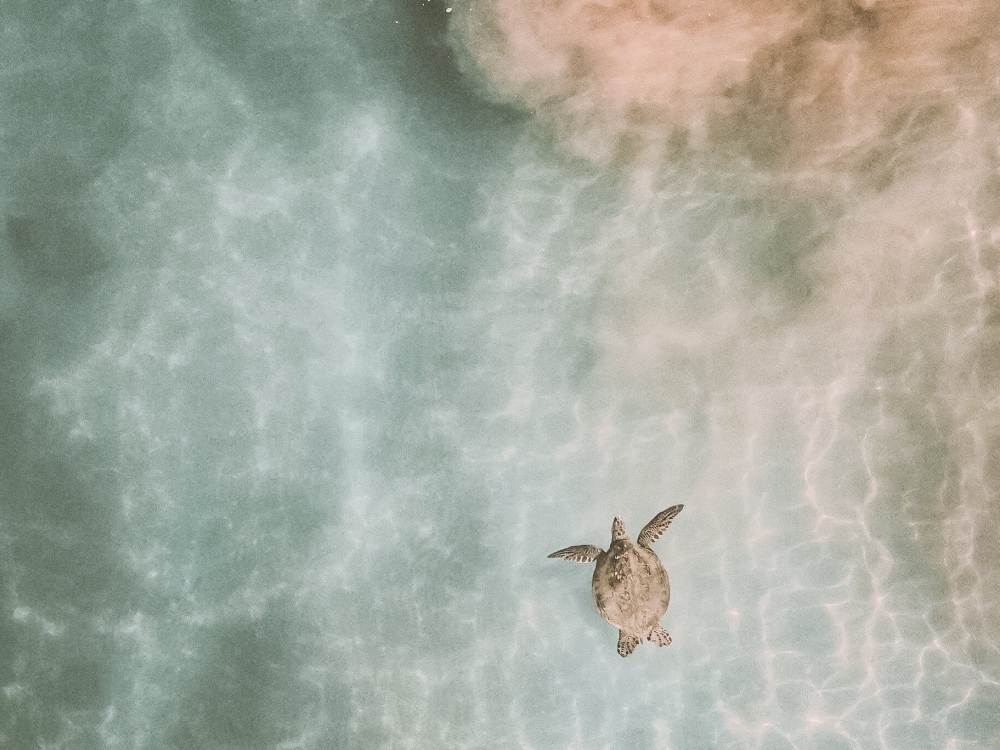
(631, 588)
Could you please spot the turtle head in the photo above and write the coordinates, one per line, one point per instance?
(618, 530)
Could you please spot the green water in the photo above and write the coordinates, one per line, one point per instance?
(322, 324)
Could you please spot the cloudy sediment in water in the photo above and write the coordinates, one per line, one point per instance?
(322, 324)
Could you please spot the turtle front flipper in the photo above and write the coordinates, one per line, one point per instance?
(660, 637)
(626, 643)
(652, 530)
(583, 553)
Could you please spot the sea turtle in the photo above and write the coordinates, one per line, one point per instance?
(630, 586)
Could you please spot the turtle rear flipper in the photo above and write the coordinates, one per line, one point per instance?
(583, 553)
(652, 530)
(660, 637)
(626, 643)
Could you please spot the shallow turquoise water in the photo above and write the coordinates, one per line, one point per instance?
(322, 324)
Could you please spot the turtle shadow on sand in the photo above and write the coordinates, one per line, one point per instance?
(630, 585)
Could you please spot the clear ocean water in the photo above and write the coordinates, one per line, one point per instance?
(322, 323)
